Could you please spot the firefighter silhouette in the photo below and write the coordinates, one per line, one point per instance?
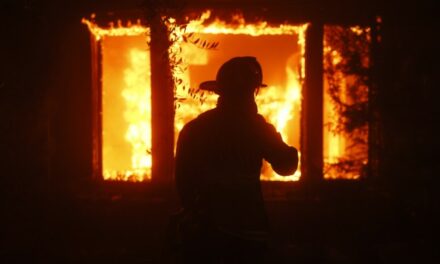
(217, 171)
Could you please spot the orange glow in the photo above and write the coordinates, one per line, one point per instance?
(126, 115)
(280, 103)
(126, 91)
(120, 31)
(342, 147)
(137, 95)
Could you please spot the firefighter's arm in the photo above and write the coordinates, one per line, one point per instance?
(282, 157)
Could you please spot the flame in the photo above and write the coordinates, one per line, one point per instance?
(335, 142)
(138, 112)
(239, 26)
(276, 103)
(136, 95)
(128, 30)
(187, 111)
(338, 146)
(279, 104)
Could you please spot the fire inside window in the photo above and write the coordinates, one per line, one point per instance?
(345, 111)
(126, 90)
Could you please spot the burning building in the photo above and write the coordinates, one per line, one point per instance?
(92, 104)
(197, 45)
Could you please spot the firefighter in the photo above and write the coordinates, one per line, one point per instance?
(217, 171)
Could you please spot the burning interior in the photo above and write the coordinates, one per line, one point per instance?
(123, 88)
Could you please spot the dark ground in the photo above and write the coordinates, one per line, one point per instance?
(341, 223)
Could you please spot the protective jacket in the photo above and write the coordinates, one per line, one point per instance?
(218, 162)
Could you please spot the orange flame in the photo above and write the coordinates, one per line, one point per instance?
(138, 112)
(137, 115)
(278, 103)
(128, 30)
(338, 146)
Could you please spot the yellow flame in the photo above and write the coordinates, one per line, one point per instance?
(336, 144)
(276, 104)
(239, 26)
(137, 114)
(128, 30)
(185, 112)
